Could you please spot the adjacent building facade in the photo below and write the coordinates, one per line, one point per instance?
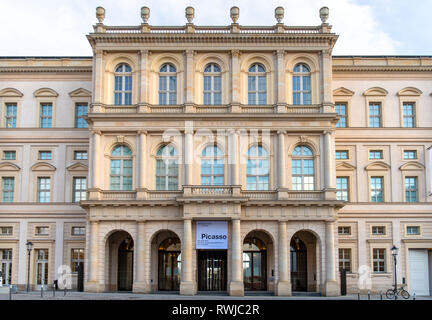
(228, 158)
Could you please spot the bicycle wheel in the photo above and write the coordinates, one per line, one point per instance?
(405, 294)
(390, 294)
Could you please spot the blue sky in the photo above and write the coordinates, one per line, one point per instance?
(366, 27)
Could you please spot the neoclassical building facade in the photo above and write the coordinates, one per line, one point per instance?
(234, 158)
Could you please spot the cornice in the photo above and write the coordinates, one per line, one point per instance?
(339, 68)
(31, 69)
(159, 38)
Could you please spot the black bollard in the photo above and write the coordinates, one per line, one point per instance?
(358, 294)
(381, 294)
(368, 294)
(41, 291)
(414, 296)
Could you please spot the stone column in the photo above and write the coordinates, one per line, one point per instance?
(98, 76)
(284, 281)
(332, 287)
(236, 285)
(281, 86)
(142, 165)
(281, 160)
(187, 285)
(140, 285)
(235, 80)
(95, 165)
(143, 76)
(329, 167)
(188, 157)
(189, 98)
(233, 162)
(326, 80)
(92, 284)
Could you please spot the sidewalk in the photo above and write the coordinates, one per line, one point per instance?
(73, 295)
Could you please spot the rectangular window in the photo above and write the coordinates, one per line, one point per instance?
(413, 230)
(45, 155)
(79, 189)
(374, 115)
(408, 115)
(411, 189)
(341, 110)
(80, 155)
(11, 115)
(77, 259)
(9, 155)
(344, 230)
(44, 189)
(6, 231)
(379, 261)
(378, 230)
(42, 231)
(8, 188)
(345, 259)
(410, 154)
(46, 112)
(81, 110)
(375, 155)
(377, 189)
(342, 188)
(78, 231)
(342, 155)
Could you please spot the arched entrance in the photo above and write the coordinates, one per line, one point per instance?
(256, 247)
(120, 253)
(304, 271)
(167, 252)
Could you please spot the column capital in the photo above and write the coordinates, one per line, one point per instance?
(144, 132)
(145, 52)
(326, 132)
(279, 52)
(279, 132)
(235, 53)
(189, 52)
(98, 132)
(188, 131)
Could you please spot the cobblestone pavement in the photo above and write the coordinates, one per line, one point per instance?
(73, 295)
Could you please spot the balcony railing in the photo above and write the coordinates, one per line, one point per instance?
(210, 192)
(217, 109)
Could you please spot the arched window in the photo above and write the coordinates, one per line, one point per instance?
(303, 173)
(212, 166)
(257, 84)
(257, 169)
(167, 168)
(212, 84)
(123, 85)
(121, 168)
(168, 85)
(302, 85)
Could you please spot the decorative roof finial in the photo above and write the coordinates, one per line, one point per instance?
(235, 13)
(145, 14)
(324, 14)
(279, 14)
(190, 14)
(100, 14)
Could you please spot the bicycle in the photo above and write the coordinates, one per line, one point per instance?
(390, 294)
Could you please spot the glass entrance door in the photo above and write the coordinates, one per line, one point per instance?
(298, 265)
(6, 265)
(41, 267)
(169, 265)
(254, 270)
(125, 266)
(212, 273)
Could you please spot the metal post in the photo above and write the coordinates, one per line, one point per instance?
(368, 294)
(53, 287)
(395, 277)
(64, 291)
(28, 272)
(41, 291)
(414, 296)
(10, 291)
(381, 294)
(358, 294)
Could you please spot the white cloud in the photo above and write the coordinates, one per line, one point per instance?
(58, 27)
